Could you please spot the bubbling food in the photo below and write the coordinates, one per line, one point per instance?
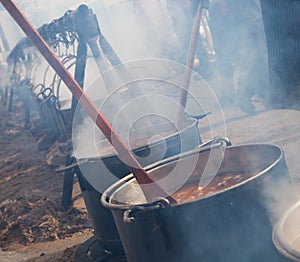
(191, 191)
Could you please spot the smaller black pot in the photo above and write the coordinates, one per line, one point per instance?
(97, 174)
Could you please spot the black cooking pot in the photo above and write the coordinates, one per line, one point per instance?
(229, 224)
(96, 174)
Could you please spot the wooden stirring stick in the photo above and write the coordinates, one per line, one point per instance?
(150, 188)
(189, 63)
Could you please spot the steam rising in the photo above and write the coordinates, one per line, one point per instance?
(131, 35)
(238, 74)
(279, 196)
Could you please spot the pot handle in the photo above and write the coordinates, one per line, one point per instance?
(71, 166)
(143, 152)
(159, 202)
(215, 142)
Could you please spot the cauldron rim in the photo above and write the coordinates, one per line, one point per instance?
(190, 122)
(105, 198)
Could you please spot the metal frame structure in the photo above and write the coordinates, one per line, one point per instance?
(69, 36)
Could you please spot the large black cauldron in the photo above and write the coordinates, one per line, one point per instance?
(96, 174)
(231, 224)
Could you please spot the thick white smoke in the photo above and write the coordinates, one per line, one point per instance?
(119, 21)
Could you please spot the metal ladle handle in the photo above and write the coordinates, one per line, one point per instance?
(215, 142)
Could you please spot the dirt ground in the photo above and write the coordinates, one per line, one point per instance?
(33, 225)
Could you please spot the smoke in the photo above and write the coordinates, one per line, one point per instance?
(240, 70)
(131, 33)
(148, 102)
(279, 196)
(137, 31)
(287, 230)
(10, 34)
(40, 11)
(238, 75)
